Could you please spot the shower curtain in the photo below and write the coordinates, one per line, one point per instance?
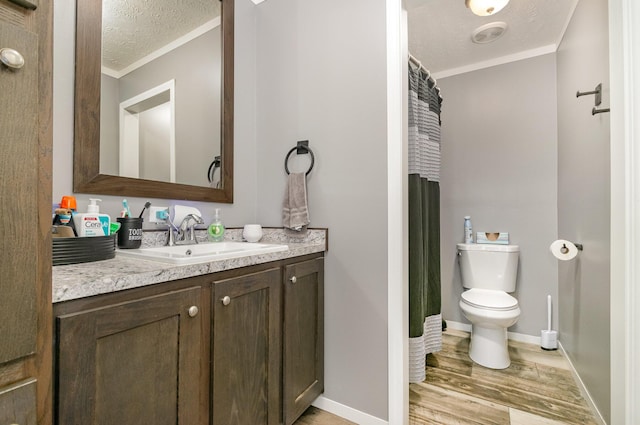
(425, 319)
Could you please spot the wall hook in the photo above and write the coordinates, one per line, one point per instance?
(599, 111)
(597, 92)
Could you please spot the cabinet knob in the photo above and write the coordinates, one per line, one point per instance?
(193, 311)
(293, 279)
(226, 300)
(11, 58)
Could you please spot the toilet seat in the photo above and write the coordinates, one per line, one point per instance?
(489, 299)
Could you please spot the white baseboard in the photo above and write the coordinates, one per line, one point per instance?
(514, 336)
(347, 412)
(583, 389)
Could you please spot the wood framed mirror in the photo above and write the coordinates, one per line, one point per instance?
(88, 177)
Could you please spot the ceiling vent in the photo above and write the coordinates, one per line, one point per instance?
(489, 32)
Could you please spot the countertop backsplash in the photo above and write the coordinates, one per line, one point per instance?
(154, 237)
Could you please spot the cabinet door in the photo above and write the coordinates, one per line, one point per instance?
(18, 403)
(132, 363)
(247, 351)
(18, 191)
(303, 336)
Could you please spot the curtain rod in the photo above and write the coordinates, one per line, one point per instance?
(416, 62)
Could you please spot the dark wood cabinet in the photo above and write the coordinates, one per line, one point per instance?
(134, 362)
(251, 354)
(303, 336)
(246, 351)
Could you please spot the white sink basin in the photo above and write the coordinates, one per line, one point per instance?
(201, 253)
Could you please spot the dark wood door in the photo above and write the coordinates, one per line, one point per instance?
(18, 191)
(303, 336)
(25, 190)
(132, 363)
(247, 351)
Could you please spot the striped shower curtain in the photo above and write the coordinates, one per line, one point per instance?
(425, 319)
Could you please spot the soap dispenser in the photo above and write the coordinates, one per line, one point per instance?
(216, 228)
(92, 223)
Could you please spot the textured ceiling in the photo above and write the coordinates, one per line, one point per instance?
(132, 29)
(440, 31)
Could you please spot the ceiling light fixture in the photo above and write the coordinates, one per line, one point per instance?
(486, 7)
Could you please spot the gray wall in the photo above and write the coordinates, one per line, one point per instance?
(499, 165)
(584, 199)
(323, 78)
(243, 210)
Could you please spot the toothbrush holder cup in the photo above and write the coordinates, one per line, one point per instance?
(130, 233)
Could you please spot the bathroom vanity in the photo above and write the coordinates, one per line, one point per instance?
(236, 341)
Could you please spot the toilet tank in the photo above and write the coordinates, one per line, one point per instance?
(488, 266)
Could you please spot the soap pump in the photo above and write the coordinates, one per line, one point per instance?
(216, 228)
(92, 223)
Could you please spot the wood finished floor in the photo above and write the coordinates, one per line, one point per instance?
(537, 389)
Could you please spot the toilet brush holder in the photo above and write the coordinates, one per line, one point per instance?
(549, 340)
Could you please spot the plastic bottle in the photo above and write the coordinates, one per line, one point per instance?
(468, 230)
(216, 228)
(92, 223)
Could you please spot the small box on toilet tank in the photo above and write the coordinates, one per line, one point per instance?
(498, 238)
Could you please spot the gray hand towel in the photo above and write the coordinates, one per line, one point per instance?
(295, 212)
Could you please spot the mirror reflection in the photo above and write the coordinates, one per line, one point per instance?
(161, 91)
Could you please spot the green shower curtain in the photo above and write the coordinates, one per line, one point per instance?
(425, 319)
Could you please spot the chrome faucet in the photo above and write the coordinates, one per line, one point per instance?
(189, 224)
(185, 233)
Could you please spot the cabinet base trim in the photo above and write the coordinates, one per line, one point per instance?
(347, 412)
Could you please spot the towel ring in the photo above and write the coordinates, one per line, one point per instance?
(301, 148)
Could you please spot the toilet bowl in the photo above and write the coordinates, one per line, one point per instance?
(488, 273)
(490, 313)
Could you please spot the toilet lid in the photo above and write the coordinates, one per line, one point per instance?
(489, 299)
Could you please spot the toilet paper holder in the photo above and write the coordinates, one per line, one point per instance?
(565, 250)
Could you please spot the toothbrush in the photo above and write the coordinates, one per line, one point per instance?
(125, 206)
(146, 205)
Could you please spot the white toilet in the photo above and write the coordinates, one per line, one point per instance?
(488, 273)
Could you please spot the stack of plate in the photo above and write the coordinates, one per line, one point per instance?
(83, 250)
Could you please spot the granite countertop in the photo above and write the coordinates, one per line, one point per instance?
(101, 277)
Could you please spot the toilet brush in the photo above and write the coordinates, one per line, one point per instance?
(549, 338)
